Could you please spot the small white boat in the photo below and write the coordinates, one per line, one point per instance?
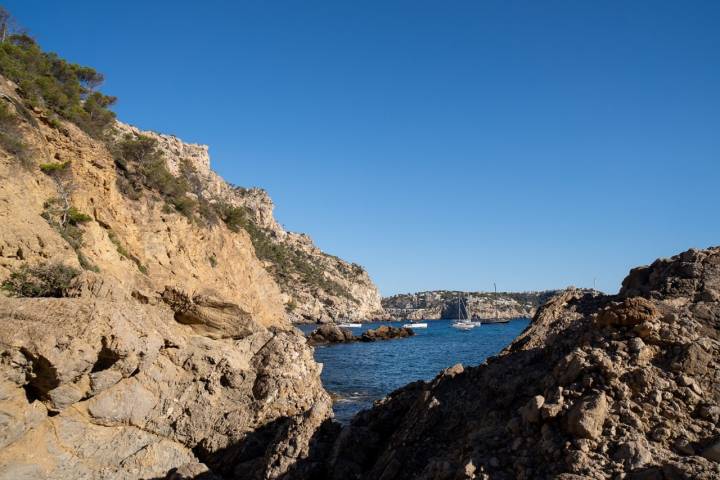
(415, 325)
(463, 325)
(350, 325)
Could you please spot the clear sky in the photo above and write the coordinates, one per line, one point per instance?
(443, 144)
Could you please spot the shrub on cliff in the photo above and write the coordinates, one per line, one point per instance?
(49, 82)
(141, 164)
(44, 280)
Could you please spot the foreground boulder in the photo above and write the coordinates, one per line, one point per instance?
(597, 387)
(334, 334)
(100, 389)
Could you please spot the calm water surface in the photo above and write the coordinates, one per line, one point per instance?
(359, 373)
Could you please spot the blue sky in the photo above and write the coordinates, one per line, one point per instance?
(439, 144)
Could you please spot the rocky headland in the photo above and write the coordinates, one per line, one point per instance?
(445, 304)
(335, 334)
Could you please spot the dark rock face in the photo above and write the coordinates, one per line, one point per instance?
(598, 386)
(334, 334)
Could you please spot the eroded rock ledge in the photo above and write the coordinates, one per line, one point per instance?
(101, 389)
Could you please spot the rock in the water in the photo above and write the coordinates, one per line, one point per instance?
(385, 332)
(334, 334)
(330, 333)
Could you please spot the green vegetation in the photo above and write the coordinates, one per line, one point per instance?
(287, 262)
(76, 217)
(213, 260)
(53, 167)
(66, 220)
(44, 280)
(53, 84)
(141, 164)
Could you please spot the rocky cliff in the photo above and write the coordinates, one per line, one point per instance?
(598, 386)
(437, 304)
(316, 286)
(171, 352)
(137, 246)
(137, 240)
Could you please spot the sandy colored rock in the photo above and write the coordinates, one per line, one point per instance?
(587, 416)
(101, 389)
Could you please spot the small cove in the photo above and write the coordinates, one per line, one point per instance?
(359, 373)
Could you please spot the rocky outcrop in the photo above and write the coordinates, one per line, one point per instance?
(101, 389)
(330, 334)
(598, 386)
(438, 304)
(335, 334)
(385, 332)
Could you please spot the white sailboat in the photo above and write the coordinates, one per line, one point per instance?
(463, 324)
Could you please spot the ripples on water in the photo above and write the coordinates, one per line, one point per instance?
(359, 373)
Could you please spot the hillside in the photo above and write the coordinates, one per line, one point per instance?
(433, 305)
(316, 286)
(151, 210)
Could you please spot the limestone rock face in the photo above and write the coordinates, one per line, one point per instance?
(101, 389)
(598, 386)
(138, 247)
(346, 292)
(172, 356)
(141, 247)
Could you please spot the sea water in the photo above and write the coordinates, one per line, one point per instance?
(359, 373)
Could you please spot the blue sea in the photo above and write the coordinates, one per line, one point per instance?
(360, 373)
